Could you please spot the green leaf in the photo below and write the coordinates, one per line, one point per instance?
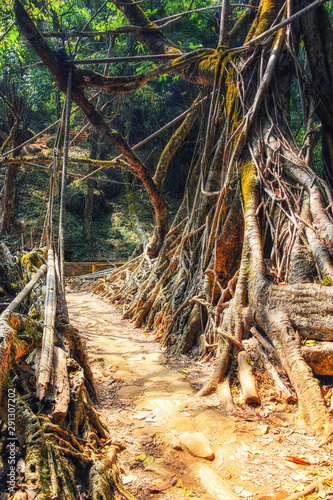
(149, 460)
(310, 343)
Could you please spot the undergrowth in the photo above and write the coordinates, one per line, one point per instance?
(112, 235)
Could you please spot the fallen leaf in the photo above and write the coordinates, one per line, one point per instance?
(278, 421)
(261, 430)
(163, 486)
(128, 479)
(278, 495)
(149, 460)
(31, 494)
(310, 343)
(243, 493)
(179, 484)
(297, 460)
(184, 371)
(141, 457)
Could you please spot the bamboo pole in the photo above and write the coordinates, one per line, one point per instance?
(29, 162)
(131, 29)
(153, 57)
(201, 9)
(61, 290)
(44, 131)
(24, 293)
(64, 182)
(223, 37)
(46, 358)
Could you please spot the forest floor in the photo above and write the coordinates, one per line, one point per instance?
(179, 445)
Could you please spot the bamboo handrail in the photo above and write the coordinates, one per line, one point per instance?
(45, 365)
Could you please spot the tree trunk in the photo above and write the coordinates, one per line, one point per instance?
(7, 200)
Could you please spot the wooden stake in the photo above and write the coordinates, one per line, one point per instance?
(247, 381)
(58, 392)
(224, 394)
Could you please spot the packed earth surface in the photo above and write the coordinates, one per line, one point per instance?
(178, 445)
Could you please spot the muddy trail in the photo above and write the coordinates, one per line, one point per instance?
(176, 444)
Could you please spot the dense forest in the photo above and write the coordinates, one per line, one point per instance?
(236, 103)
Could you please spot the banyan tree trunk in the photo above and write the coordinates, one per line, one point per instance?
(252, 243)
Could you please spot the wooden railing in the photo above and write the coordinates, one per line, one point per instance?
(81, 268)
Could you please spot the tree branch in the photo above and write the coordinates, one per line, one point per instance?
(59, 69)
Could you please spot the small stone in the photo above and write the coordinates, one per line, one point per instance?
(197, 444)
(129, 479)
(157, 390)
(180, 387)
(113, 359)
(153, 357)
(124, 375)
(166, 375)
(243, 493)
(213, 422)
(163, 409)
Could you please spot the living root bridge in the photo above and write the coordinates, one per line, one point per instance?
(65, 447)
(252, 243)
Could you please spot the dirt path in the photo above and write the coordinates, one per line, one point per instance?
(177, 441)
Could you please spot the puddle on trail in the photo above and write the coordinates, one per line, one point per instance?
(149, 402)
